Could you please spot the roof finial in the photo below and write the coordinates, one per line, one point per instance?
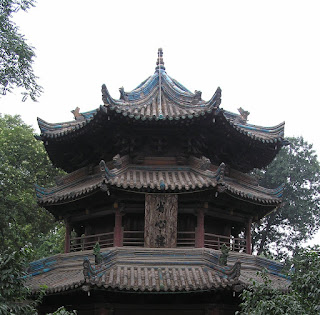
(160, 63)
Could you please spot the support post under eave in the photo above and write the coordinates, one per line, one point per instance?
(118, 230)
(248, 237)
(200, 228)
(67, 237)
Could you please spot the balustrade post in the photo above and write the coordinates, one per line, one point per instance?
(67, 237)
(118, 229)
(200, 228)
(248, 237)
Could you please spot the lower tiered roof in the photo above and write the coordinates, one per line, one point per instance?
(148, 270)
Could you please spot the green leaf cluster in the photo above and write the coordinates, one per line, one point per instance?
(14, 294)
(306, 279)
(16, 56)
(303, 296)
(297, 220)
(24, 162)
(13, 291)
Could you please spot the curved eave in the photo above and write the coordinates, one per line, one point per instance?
(67, 193)
(54, 131)
(142, 179)
(266, 135)
(176, 101)
(142, 93)
(262, 196)
(170, 270)
(151, 270)
(223, 188)
(148, 110)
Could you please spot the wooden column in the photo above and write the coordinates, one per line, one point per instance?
(200, 228)
(118, 229)
(227, 230)
(248, 236)
(67, 237)
(161, 215)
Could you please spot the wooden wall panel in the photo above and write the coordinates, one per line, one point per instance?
(161, 213)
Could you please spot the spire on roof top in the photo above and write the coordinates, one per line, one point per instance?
(160, 63)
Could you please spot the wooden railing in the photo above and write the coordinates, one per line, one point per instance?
(136, 238)
(88, 242)
(186, 239)
(216, 241)
(133, 238)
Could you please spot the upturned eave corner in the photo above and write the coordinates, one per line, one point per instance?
(106, 97)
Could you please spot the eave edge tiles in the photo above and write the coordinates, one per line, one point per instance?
(177, 104)
(170, 270)
(120, 174)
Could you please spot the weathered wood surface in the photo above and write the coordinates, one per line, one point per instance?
(161, 213)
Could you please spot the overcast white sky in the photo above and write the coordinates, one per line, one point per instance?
(265, 55)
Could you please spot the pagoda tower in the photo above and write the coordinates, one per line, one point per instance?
(161, 180)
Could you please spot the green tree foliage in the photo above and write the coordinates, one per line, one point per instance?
(306, 279)
(13, 291)
(16, 56)
(52, 242)
(303, 296)
(24, 162)
(298, 218)
(15, 298)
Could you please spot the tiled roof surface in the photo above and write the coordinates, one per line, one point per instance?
(162, 99)
(264, 134)
(175, 103)
(151, 270)
(198, 175)
(161, 278)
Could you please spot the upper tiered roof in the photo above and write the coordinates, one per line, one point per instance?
(161, 97)
(160, 101)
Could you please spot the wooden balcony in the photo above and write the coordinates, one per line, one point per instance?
(215, 241)
(88, 242)
(186, 239)
(133, 238)
(136, 238)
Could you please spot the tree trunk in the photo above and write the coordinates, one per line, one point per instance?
(265, 233)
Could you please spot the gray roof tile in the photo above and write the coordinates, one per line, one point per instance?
(150, 270)
(169, 178)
